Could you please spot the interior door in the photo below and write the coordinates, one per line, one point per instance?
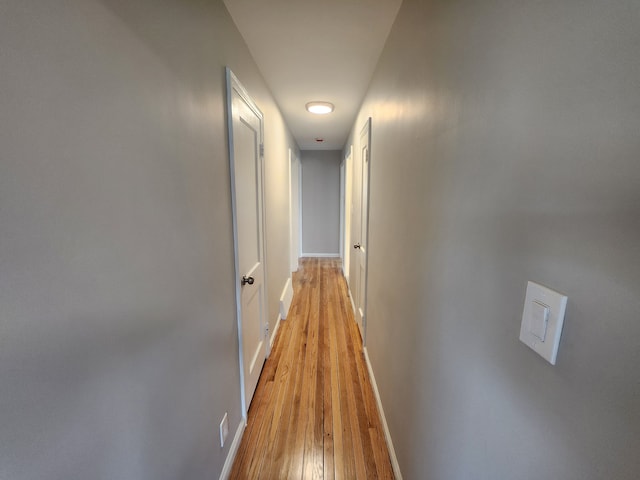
(245, 134)
(361, 247)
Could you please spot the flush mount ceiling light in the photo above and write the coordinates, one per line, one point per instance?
(320, 108)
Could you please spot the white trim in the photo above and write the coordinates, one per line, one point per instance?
(367, 161)
(233, 451)
(272, 337)
(294, 207)
(299, 252)
(347, 201)
(321, 255)
(353, 304)
(387, 435)
(291, 233)
(286, 298)
(343, 174)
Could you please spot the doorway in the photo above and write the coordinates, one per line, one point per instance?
(346, 211)
(247, 198)
(360, 221)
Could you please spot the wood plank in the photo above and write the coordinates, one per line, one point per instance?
(360, 412)
(338, 442)
(294, 451)
(327, 407)
(352, 422)
(313, 449)
(298, 346)
(242, 466)
(348, 453)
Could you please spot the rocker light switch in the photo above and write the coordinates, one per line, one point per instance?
(538, 319)
(542, 320)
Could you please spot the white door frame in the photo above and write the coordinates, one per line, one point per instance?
(299, 161)
(345, 196)
(364, 218)
(342, 209)
(233, 84)
(294, 210)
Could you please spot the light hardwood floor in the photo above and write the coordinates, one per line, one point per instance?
(314, 414)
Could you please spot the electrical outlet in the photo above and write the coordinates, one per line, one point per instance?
(224, 429)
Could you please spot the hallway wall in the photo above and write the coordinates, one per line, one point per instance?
(118, 337)
(505, 149)
(320, 202)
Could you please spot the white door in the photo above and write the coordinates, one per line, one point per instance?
(362, 217)
(245, 144)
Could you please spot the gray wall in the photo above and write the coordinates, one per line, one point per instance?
(118, 338)
(506, 149)
(320, 202)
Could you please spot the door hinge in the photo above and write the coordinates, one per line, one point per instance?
(266, 331)
(262, 149)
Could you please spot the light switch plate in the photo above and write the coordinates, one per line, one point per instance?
(542, 320)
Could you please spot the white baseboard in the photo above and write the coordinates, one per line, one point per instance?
(273, 334)
(233, 450)
(321, 255)
(387, 435)
(353, 305)
(286, 298)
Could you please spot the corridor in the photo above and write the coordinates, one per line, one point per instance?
(314, 413)
(471, 147)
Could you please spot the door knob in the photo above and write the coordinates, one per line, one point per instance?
(246, 280)
(356, 246)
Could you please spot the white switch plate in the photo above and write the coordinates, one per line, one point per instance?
(535, 317)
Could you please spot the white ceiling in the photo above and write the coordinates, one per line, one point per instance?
(316, 50)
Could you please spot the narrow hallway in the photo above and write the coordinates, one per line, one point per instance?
(314, 414)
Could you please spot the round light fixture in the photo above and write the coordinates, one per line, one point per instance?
(320, 108)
